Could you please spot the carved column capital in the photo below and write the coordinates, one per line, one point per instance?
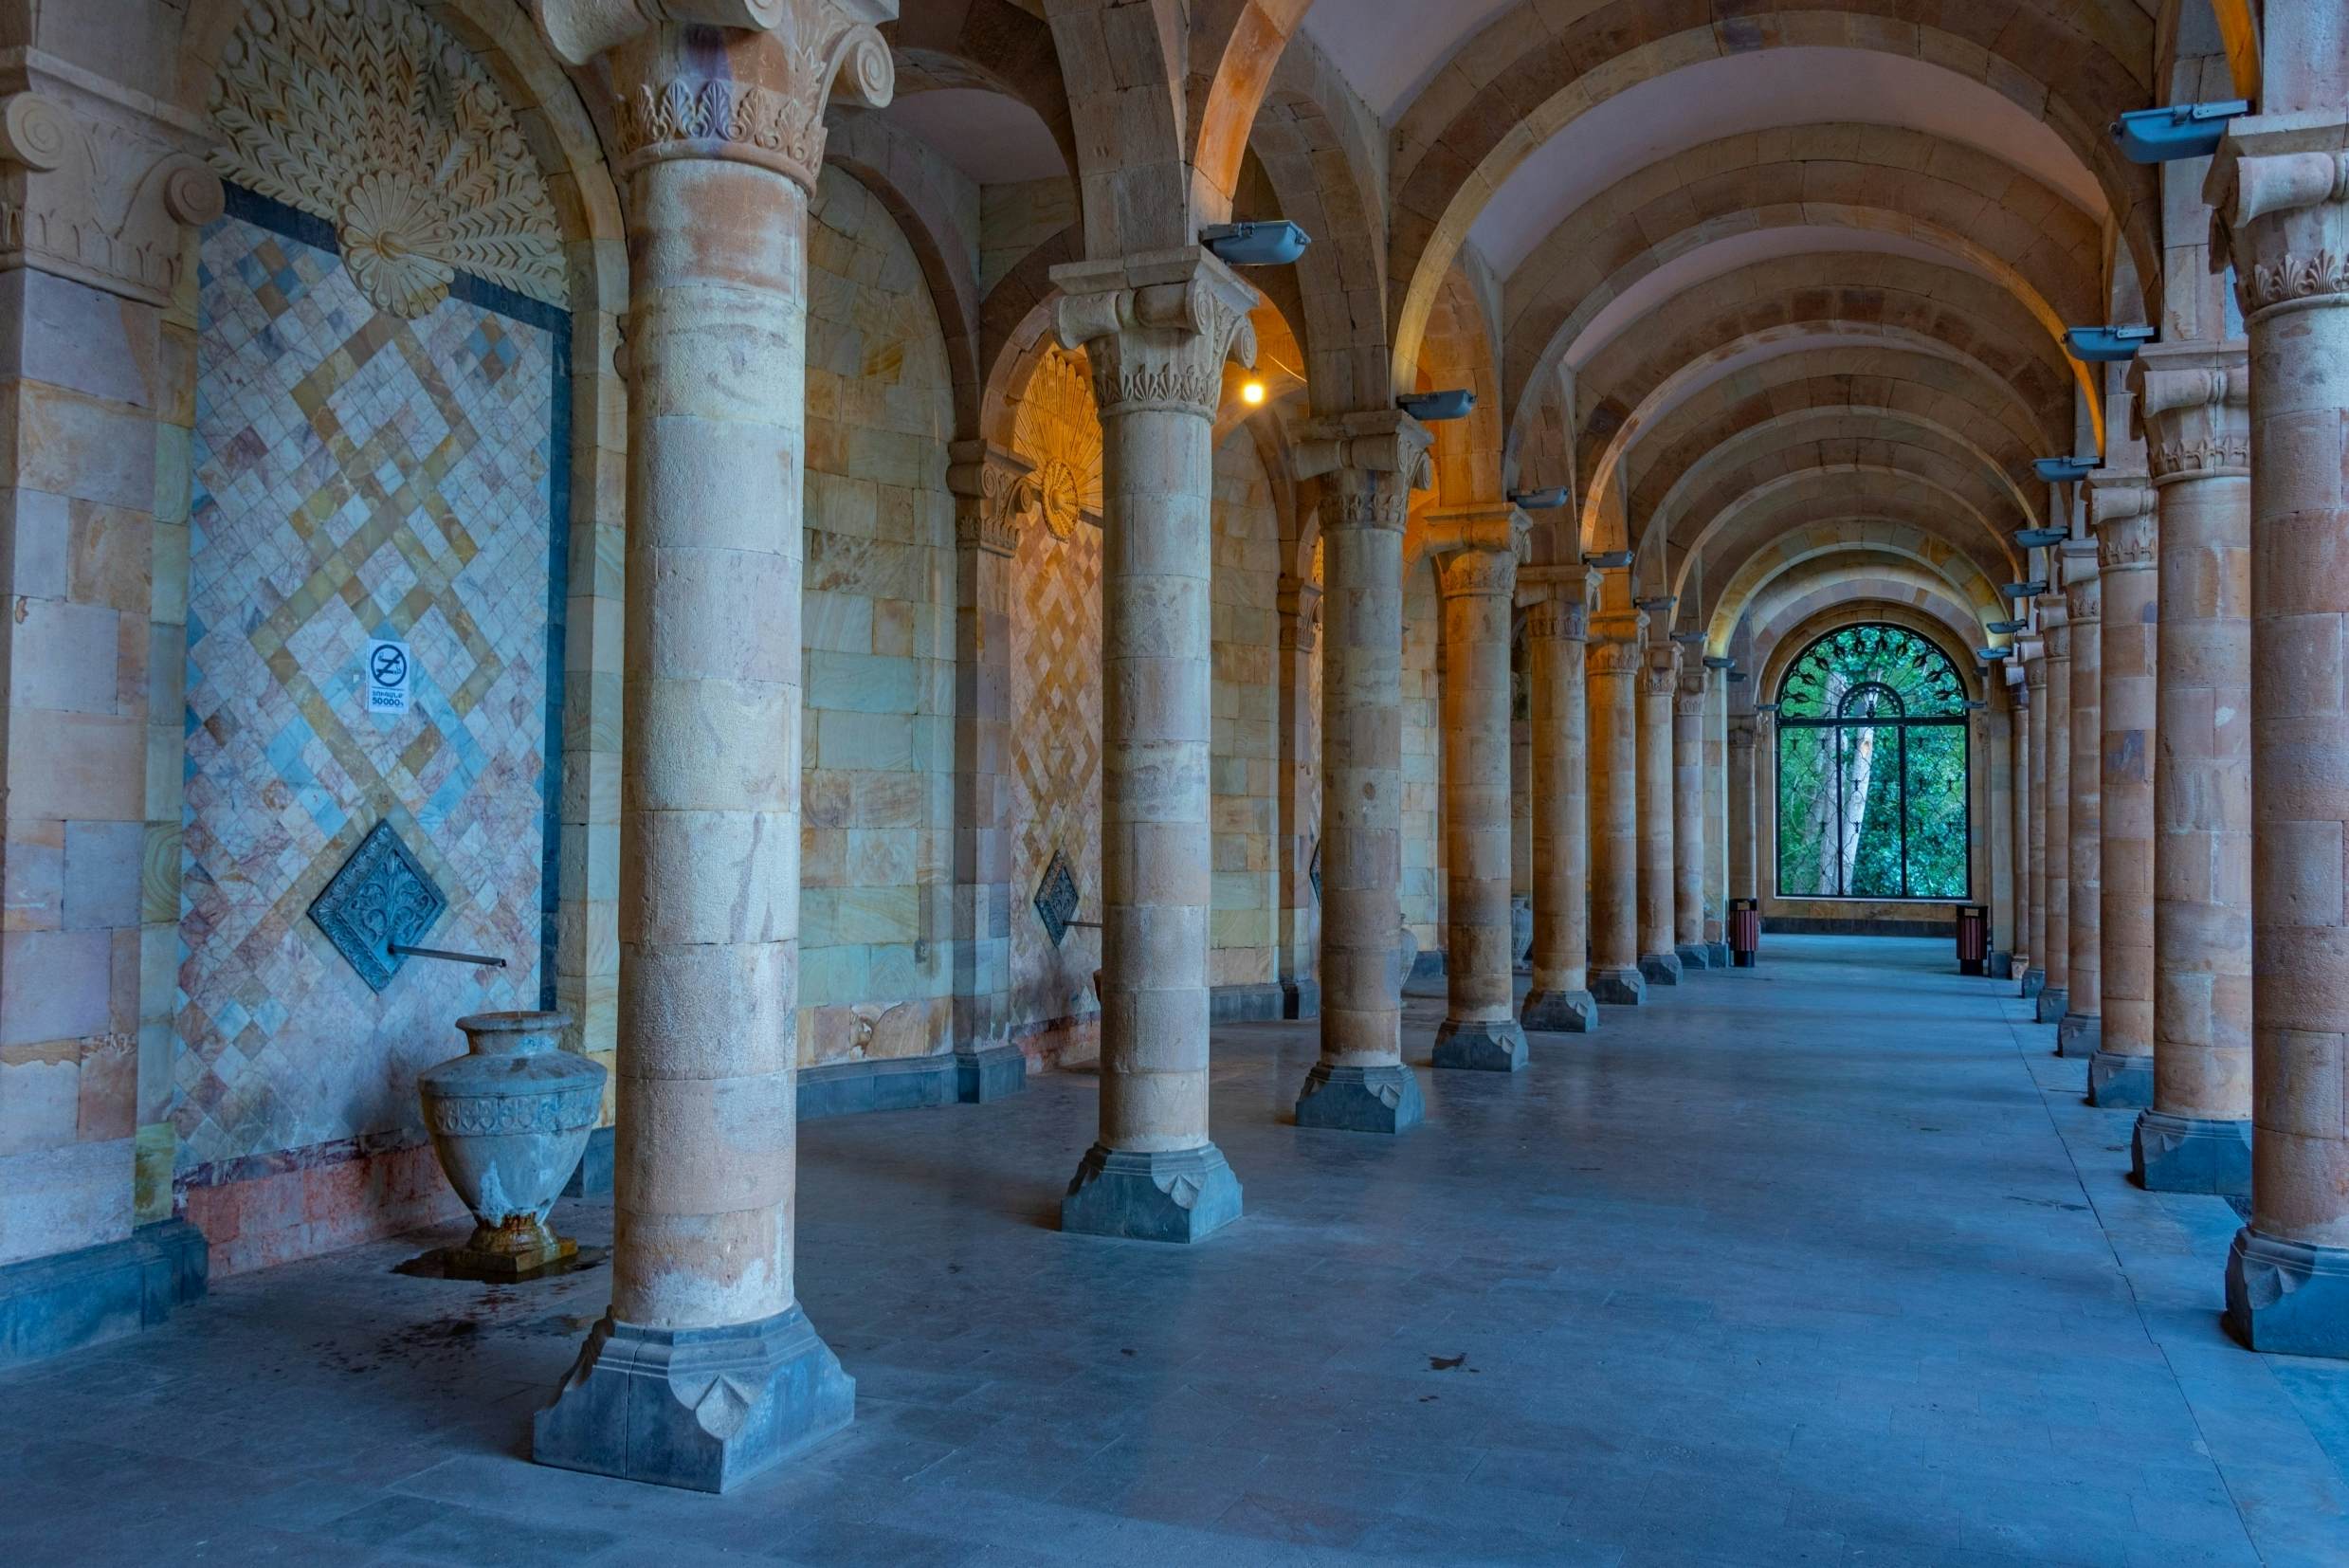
(1660, 671)
(1477, 548)
(2279, 195)
(1557, 619)
(1372, 460)
(97, 181)
(2194, 401)
(2122, 510)
(2082, 600)
(738, 80)
(1618, 642)
(1157, 328)
(1299, 604)
(994, 493)
(1691, 692)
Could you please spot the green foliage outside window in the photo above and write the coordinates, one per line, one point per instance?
(1872, 769)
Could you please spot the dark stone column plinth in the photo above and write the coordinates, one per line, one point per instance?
(1659, 968)
(2286, 1297)
(1361, 1100)
(1997, 965)
(2035, 982)
(2121, 1082)
(1559, 1012)
(2052, 1004)
(1301, 998)
(1183, 1195)
(1618, 987)
(2080, 1035)
(2185, 1154)
(1694, 956)
(989, 1074)
(701, 1409)
(1481, 1044)
(1716, 954)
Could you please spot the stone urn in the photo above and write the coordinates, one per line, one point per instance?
(1520, 928)
(1406, 959)
(509, 1120)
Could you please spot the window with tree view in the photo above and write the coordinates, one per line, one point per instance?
(1872, 769)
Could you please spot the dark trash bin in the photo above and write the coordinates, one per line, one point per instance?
(1744, 932)
(1972, 939)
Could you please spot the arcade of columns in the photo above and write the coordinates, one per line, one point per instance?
(2178, 726)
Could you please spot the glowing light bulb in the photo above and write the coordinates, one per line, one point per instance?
(1252, 391)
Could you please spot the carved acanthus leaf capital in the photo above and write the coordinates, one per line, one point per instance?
(1557, 619)
(2279, 195)
(2122, 510)
(2084, 603)
(1375, 460)
(1157, 328)
(1477, 548)
(994, 493)
(97, 185)
(1660, 673)
(1740, 738)
(1611, 657)
(2194, 402)
(1691, 694)
(741, 80)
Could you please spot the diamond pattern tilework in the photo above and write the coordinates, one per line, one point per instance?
(1056, 761)
(357, 475)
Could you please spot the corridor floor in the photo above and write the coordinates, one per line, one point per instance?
(1819, 1262)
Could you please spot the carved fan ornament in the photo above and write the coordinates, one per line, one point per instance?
(1060, 432)
(368, 114)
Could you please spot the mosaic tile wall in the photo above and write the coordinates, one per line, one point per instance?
(876, 926)
(1242, 778)
(356, 474)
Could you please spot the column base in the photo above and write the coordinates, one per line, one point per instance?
(2187, 1154)
(1177, 1196)
(1481, 1044)
(2035, 982)
(1559, 1012)
(2121, 1082)
(1659, 968)
(2286, 1297)
(2079, 1035)
(1361, 1100)
(68, 1300)
(989, 1074)
(1716, 954)
(1618, 987)
(1301, 998)
(697, 1408)
(2052, 1000)
(1997, 965)
(1693, 956)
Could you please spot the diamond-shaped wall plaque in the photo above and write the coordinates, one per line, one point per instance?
(381, 896)
(1313, 870)
(1056, 898)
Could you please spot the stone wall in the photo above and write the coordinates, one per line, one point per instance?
(1423, 742)
(876, 919)
(1244, 773)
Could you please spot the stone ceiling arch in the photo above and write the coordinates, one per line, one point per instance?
(1466, 451)
(991, 43)
(1760, 588)
(1822, 438)
(1668, 217)
(1935, 391)
(1245, 40)
(1527, 76)
(1124, 70)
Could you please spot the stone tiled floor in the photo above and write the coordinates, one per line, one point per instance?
(1822, 1262)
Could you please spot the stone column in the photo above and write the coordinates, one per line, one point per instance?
(2076, 1031)
(992, 491)
(1717, 813)
(2121, 1072)
(1742, 804)
(1658, 818)
(1478, 550)
(2035, 705)
(2195, 400)
(2019, 720)
(1556, 630)
(2055, 880)
(1689, 701)
(1615, 655)
(1298, 938)
(1372, 460)
(2281, 185)
(705, 1368)
(1157, 329)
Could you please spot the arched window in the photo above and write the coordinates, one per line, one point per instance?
(1872, 769)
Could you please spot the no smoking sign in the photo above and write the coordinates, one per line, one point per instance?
(388, 669)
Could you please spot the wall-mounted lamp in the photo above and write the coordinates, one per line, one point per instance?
(1689, 639)
(2063, 470)
(2007, 627)
(2177, 131)
(1715, 661)
(1608, 560)
(1765, 708)
(2039, 539)
(2024, 590)
(1538, 500)
(2106, 345)
(1432, 408)
(1274, 241)
(1737, 675)
(1992, 655)
(1656, 604)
